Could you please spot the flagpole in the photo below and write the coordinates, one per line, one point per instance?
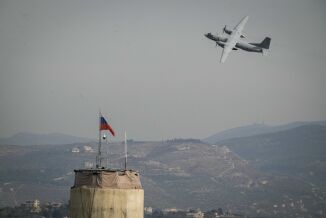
(126, 154)
(103, 125)
(99, 161)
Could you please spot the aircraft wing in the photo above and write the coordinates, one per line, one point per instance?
(233, 39)
(226, 51)
(241, 25)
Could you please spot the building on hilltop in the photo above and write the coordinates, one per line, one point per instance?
(32, 206)
(88, 149)
(75, 150)
(148, 210)
(195, 214)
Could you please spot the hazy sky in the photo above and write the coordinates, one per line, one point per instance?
(150, 69)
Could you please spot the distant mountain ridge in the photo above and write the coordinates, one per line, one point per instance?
(255, 129)
(280, 174)
(300, 151)
(42, 139)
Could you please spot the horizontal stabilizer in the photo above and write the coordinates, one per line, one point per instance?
(265, 52)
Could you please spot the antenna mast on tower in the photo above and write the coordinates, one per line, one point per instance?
(126, 154)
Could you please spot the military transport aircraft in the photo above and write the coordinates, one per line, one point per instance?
(233, 40)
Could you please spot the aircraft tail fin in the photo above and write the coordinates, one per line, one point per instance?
(265, 43)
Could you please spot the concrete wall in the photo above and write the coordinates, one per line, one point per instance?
(86, 202)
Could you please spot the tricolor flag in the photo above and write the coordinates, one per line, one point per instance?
(105, 126)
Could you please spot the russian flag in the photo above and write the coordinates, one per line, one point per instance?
(105, 126)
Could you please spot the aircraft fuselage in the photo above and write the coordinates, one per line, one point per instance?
(221, 40)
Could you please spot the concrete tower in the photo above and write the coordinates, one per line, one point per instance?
(106, 193)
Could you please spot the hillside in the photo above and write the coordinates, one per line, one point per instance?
(299, 152)
(41, 139)
(255, 129)
(174, 173)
